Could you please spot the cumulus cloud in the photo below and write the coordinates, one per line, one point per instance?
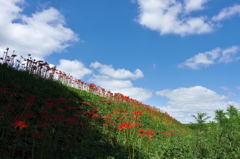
(40, 34)
(227, 54)
(175, 17)
(110, 83)
(191, 97)
(186, 101)
(140, 94)
(228, 12)
(74, 68)
(168, 17)
(118, 73)
(119, 81)
(207, 58)
(193, 5)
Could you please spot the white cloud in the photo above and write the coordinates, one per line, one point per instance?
(119, 81)
(186, 101)
(140, 94)
(225, 88)
(118, 74)
(74, 68)
(168, 17)
(40, 34)
(202, 59)
(193, 5)
(189, 97)
(207, 58)
(227, 54)
(228, 12)
(109, 83)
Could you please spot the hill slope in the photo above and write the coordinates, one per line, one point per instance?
(44, 118)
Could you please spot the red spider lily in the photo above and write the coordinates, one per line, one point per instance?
(106, 116)
(139, 113)
(121, 110)
(51, 104)
(71, 120)
(29, 115)
(35, 135)
(62, 110)
(44, 112)
(61, 100)
(142, 132)
(149, 133)
(124, 115)
(84, 102)
(167, 133)
(3, 89)
(30, 100)
(136, 118)
(20, 124)
(92, 86)
(172, 130)
(48, 99)
(138, 124)
(76, 116)
(70, 107)
(92, 115)
(124, 125)
(95, 110)
(8, 107)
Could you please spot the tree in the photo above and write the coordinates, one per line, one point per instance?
(220, 116)
(201, 118)
(232, 112)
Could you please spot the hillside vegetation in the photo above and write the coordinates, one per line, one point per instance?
(41, 117)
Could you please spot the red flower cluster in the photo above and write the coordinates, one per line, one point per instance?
(61, 100)
(124, 125)
(8, 107)
(106, 116)
(167, 133)
(84, 102)
(20, 124)
(30, 100)
(137, 113)
(149, 133)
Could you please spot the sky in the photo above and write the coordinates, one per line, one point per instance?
(182, 56)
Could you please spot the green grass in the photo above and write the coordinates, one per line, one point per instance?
(42, 118)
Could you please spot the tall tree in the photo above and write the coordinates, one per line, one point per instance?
(232, 112)
(201, 118)
(220, 116)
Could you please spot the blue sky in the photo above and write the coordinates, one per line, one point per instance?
(182, 56)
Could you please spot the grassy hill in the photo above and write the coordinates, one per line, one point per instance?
(46, 119)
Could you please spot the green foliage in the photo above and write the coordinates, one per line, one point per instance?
(41, 118)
